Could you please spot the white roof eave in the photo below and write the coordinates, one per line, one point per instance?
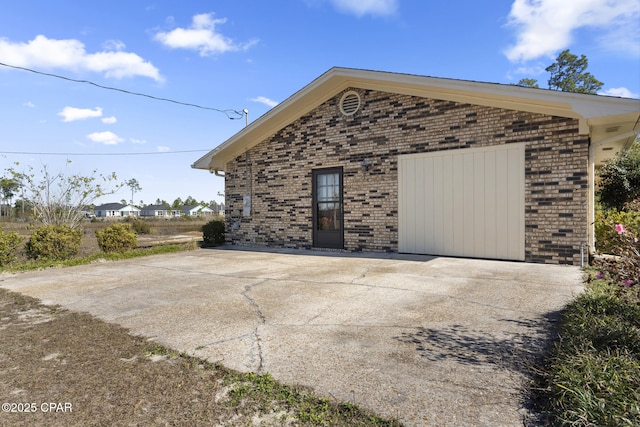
(589, 109)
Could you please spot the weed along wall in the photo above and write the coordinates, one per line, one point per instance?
(277, 173)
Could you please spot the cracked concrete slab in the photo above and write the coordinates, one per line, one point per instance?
(431, 341)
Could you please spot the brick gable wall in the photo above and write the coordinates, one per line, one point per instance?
(277, 172)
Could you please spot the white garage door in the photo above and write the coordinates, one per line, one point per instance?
(467, 202)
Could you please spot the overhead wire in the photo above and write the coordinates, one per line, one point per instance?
(103, 154)
(230, 113)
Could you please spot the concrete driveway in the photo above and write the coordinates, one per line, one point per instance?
(431, 341)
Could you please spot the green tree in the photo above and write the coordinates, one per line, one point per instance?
(620, 178)
(528, 83)
(569, 74)
(134, 186)
(190, 201)
(61, 200)
(8, 188)
(23, 207)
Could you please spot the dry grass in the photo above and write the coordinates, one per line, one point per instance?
(161, 231)
(60, 368)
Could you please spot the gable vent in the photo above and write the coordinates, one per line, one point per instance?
(349, 103)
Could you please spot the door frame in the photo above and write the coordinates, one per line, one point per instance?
(327, 239)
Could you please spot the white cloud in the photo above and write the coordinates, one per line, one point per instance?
(71, 114)
(137, 141)
(266, 101)
(163, 149)
(106, 138)
(29, 104)
(622, 92)
(70, 54)
(201, 36)
(109, 120)
(532, 70)
(367, 7)
(116, 45)
(543, 27)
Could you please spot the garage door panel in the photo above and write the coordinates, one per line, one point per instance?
(490, 220)
(448, 210)
(427, 206)
(468, 211)
(467, 202)
(456, 187)
(419, 204)
(479, 192)
(502, 204)
(438, 203)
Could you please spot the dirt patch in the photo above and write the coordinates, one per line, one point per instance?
(61, 368)
(93, 371)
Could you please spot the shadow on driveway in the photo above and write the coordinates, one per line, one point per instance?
(515, 350)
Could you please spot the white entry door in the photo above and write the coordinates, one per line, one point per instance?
(466, 202)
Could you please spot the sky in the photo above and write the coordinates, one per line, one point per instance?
(212, 60)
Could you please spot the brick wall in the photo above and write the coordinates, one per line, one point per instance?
(277, 172)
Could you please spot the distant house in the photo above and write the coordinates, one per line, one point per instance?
(196, 210)
(116, 210)
(217, 209)
(159, 211)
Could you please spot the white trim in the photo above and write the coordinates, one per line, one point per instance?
(594, 112)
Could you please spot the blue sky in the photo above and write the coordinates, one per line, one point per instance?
(252, 55)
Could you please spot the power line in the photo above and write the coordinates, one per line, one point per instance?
(103, 154)
(230, 113)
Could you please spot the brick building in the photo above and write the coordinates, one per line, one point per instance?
(373, 161)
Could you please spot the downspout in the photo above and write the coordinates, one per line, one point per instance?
(591, 199)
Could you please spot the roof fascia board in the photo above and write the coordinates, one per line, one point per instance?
(298, 104)
(477, 98)
(332, 82)
(545, 101)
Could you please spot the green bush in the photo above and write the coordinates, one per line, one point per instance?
(213, 232)
(53, 243)
(593, 375)
(117, 238)
(140, 226)
(620, 178)
(9, 242)
(607, 238)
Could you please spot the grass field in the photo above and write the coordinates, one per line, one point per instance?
(161, 230)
